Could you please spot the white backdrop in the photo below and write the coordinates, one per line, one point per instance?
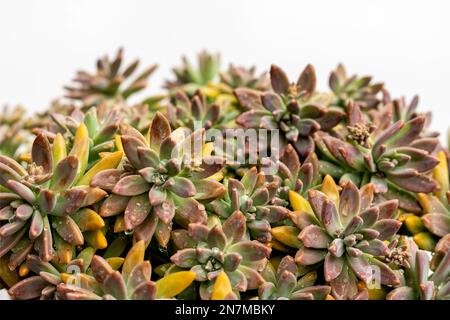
(404, 43)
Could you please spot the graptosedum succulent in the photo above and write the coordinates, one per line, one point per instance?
(293, 175)
(164, 178)
(396, 160)
(416, 282)
(241, 77)
(110, 81)
(190, 78)
(285, 283)
(252, 196)
(132, 283)
(172, 198)
(210, 249)
(192, 113)
(294, 108)
(353, 88)
(12, 133)
(346, 232)
(46, 206)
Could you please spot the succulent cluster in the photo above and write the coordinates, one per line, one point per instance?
(101, 198)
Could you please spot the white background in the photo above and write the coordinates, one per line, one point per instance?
(404, 43)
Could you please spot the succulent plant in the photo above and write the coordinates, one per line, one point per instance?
(46, 206)
(49, 275)
(396, 160)
(344, 231)
(210, 249)
(416, 284)
(434, 222)
(436, 207)
(190, 78)
(294, 108)
(252, 196)
(102, 125)
(192, 113)
(359, 90)
(132, 283)
(241, 77)
(164, 178)
(12, 133)
(284, 283)
(293, 175)
(108, 82)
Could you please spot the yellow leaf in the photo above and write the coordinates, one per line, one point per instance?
(173, 284)
(115, 262)
(219, 86)
(64, 251)
(414, 224)
(274, 244)
(222, 287)
(59, 150)
(26, 157)
(80, 148)
(88, 220)
(425, 241)
(111, 161)
(374, 294)
(218, 176)
(287, 235)
(104, 154)
(96, 239)
(208, 148)
(118, 142)
(440, 174)
(134, 257)
(424, 202)
(226, 99)
(274, 262)
(298, 203)
(210, 92)
(65, 277)
(119, 224)
(331, 190)
(10, 277)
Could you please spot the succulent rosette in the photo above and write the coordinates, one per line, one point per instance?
(286, 283)
(360, 90)
(192, 113)
(208, 250)
(109, 82)
(436, 207)
(47, 276)
(344, 231)
(13, 135)
(397, 161)
(294, 108)
(133, 282)
(293, 175)
(242, 77)
(433, 222)
(190, 78)
(47, 206)
(165, 177)
(254, 197)
(102, 125)
(416, 282)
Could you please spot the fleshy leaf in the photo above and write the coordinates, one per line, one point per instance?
(173, 284)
